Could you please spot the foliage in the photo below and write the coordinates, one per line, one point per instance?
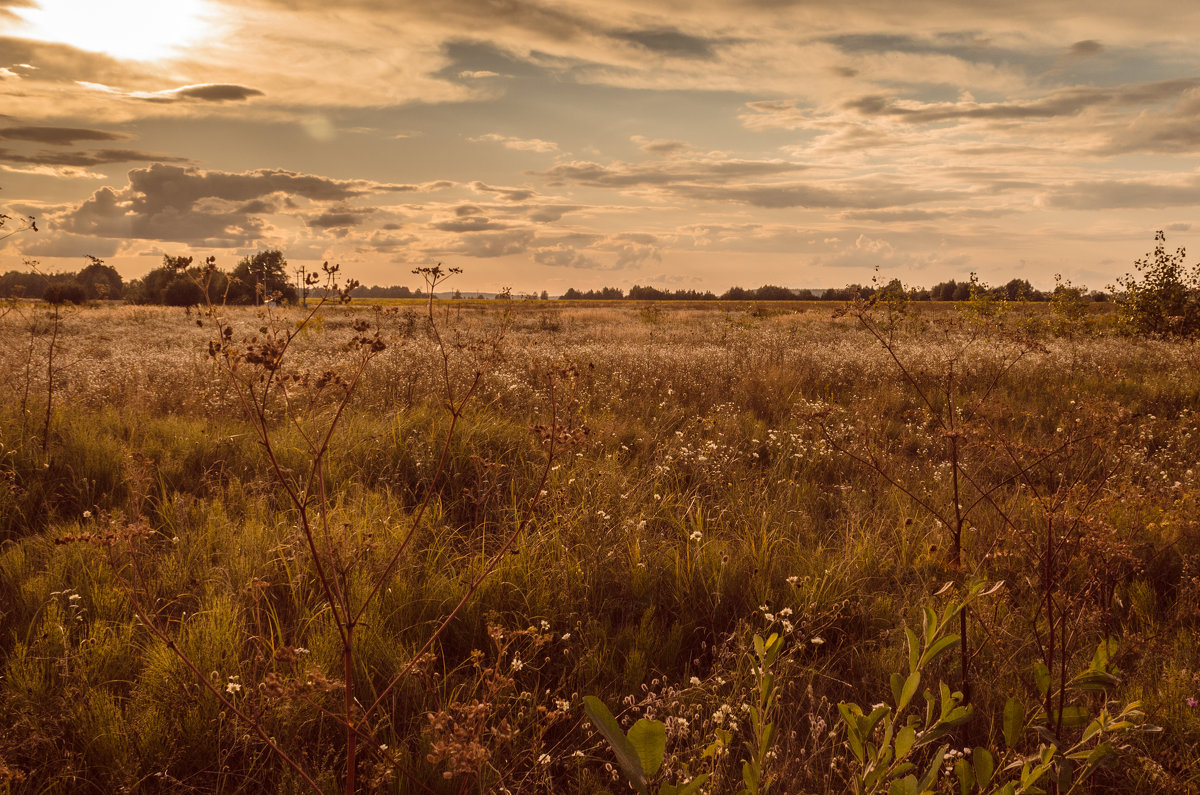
(1162, 298)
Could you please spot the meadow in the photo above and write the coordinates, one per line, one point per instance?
(895, 548)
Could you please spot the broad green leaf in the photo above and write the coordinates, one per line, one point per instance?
(904, 786)
(627, 755)
(965, 775)
(649, 739)
(853, 735)
(750, 776)
(914, 650)
(929, 624)
(1014, 722)
(939, 646)
(1094, 680)
(985, 766)
(904, 741)
(897, 682)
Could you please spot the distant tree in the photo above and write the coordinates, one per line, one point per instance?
(259, 277)
(1163, 297)
(100, 280)
(1020, 290)
(545, 296)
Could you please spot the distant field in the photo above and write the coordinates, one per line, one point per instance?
(609, 499)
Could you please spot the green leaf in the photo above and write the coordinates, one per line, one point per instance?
(939, 646)
(627, 755)
(914, 651)
(909, 690)
(897, 682)
(935, 766)
(850, 714)
(985, 766)
(929, 624)
(1014, 722)
(966, 776)
(1073, 717)
(750, 776)
(904, 786)
(649, 739)
(905, 740)
(1041, 676)
(1094, 680)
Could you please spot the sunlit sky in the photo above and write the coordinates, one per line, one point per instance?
(544, 145)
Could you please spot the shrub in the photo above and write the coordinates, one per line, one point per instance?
(1163, 297)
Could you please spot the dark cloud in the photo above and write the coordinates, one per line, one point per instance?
(1085, 49)
(59, 136)
(216, 92)
(508, 194)
(1062, 103)
(552, 212)
(189, 205)
(563, 256)
(662, 148)
(498, 243)
(668, 41)
(340, 218)
(467, 209)
(94, 157)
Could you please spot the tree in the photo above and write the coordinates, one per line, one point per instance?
(259, 278)
(100, 280)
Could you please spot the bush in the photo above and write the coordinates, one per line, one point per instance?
(65, 292)
(1163, 297)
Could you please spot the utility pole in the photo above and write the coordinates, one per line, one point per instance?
(302, 275)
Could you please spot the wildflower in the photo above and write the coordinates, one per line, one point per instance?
(87, 514)
(695, 680)
(1191, 702)
(517, 664)
(544, 759)
(817, 641)
(74, 597)
(565, 636)
(544, 624)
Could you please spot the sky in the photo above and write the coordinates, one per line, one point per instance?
(695, 144)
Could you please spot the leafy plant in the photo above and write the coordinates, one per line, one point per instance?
(1163, 297)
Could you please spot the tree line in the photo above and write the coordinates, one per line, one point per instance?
(264, 276)
(951, 290)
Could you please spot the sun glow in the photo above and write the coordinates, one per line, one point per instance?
(137, 30)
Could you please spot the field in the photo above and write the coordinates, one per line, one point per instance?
(394, 548)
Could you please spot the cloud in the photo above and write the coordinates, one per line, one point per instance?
(212, 208)
(669, 41)
(59, 136)
(57, 243)
(1060, 103)
(561, 255)
(337, 218)
(469, 224)
(1126, 194)
(659, 147)
(477, 74)
(508, 194)
(93, 157)
(523, 144)
(630, 175)
(1087, 48)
